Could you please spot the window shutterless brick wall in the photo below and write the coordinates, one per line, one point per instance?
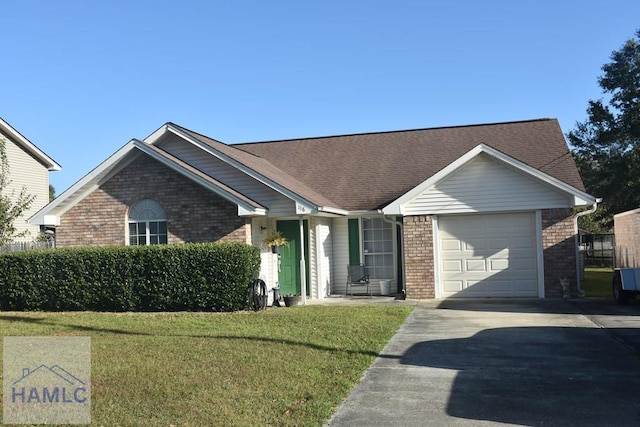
(418, 257)
(194, 214)
(559, 250)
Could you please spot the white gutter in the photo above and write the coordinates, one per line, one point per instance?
(589, 211)
(331, 210)
(400, 244)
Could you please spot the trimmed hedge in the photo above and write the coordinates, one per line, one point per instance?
(181, 277)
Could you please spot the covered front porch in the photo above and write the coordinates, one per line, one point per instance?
(314, 262)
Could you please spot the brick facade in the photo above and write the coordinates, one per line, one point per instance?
(418, 257)
(193, 213)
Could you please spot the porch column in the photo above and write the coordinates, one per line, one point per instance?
(303, 267)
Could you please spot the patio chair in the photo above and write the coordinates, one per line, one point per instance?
(357, 277)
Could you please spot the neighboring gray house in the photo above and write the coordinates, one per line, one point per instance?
(466, 211)
(28, 168)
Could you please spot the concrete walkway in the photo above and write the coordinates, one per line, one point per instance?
(504, 362)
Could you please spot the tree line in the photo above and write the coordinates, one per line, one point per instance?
(606, 146)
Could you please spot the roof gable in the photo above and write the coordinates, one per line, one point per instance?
(7, 130)
(485, 180)
(124, 156)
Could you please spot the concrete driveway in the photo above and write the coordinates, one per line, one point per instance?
(505, 362)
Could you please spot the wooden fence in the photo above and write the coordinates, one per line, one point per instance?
(26, 246)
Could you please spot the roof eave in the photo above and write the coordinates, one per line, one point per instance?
(332, 210)
(303, 205)
(31, 148)
(82, 187)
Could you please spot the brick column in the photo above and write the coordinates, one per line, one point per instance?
(418, 257)
(559, 248)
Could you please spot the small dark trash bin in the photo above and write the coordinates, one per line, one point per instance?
(276, 297)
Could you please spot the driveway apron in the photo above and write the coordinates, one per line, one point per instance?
(503, 362)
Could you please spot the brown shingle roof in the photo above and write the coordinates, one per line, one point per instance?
(264, 168)
(225, 188)
(368, 171)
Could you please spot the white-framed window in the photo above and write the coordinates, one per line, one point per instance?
(147, 223)
(377, 248)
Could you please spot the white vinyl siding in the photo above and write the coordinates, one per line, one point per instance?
(268, 260)
(27, 172)
(492, 255)
(486, 185)
(322, 248)
(279, 205)
(375, 243)
(340, 240)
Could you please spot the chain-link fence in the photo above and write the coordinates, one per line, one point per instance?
(598, 249)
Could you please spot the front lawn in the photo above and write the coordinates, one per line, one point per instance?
(286, 366)
(597, 281)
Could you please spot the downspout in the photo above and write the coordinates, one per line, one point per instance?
(400, 244)
(589, 211)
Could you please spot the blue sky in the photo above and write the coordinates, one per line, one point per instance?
(82, 78)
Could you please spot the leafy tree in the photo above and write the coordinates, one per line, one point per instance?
(606, 146)
(52, 193)
(11, 206)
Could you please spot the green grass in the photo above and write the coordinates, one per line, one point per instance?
(597, 281)
(288, 366)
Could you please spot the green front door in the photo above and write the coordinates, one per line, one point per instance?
(289, 277)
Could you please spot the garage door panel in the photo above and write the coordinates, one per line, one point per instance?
(452, 265)
(488, 255)
(498, 244)
(494, 223)
(526, 285)
(501, 286)
(499, 254)
(452, 286)
(523, 221)
(476, 287)
(520, 242)
(450, 245)
(499, 264)
(475, 265)
(523, 264)
(474, 245)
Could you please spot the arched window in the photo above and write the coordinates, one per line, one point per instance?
(147, 223)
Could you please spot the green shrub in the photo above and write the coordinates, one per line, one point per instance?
(186, 277)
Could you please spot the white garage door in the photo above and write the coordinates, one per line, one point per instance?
(488, 255)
